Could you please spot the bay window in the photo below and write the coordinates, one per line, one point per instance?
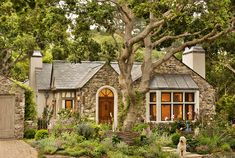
(171, 105)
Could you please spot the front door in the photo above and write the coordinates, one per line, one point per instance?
(106, 106)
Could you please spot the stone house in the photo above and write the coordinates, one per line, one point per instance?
(12, 103)
(178, 90)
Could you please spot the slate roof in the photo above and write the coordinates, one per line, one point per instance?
(173, 81)
(135, 73)
(71, 76)
(67, 75)
(43, 76)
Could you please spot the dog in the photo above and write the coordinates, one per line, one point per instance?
(181, 147)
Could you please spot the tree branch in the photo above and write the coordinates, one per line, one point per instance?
(230, 68)
(210, 36)
(151, 26)
(118, 32)
(136, 48)
(174, 37)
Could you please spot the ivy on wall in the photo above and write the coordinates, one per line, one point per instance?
(30, 105)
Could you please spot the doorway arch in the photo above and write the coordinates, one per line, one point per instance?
(106, 105)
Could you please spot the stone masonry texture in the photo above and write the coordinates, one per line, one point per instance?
(8, 87)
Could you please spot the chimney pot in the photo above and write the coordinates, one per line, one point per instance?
(36, 53)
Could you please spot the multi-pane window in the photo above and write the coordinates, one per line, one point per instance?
(68, 104)
(172, 105)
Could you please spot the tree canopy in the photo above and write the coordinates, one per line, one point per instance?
(168, 25)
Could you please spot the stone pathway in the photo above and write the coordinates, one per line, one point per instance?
(188, 154)
(16, 149)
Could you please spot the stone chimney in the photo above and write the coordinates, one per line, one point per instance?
(195, 59)
(35, 62)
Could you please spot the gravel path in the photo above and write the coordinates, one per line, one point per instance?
(16, 149)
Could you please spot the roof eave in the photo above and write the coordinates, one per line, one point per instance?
(180, 89)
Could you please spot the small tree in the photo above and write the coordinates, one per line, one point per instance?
(226, 105)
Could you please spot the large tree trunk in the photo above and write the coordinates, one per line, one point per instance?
(146, 67)
(128, 93)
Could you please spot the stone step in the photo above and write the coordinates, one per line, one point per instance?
(187, 155)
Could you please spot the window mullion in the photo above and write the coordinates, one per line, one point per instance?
(148, 107)
(172, 104)
(159, 105)
(183, 105)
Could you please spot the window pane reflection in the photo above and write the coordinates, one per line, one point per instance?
(166, 112)
(189, 112)
(178, 97)
(153, 112)
(178, 112)
(189, 97)
(166, 97)
(153, 97)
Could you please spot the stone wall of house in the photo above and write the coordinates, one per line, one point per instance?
(206, 91)
(106, 76)
(8, 87)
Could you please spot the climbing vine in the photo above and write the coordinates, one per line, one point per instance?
(123, 108)
(30, 105)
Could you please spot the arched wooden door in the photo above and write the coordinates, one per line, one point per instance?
(106, 106)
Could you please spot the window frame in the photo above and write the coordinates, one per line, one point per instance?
(159, 104)
(64, 103)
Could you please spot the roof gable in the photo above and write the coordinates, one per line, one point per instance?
(73, 75)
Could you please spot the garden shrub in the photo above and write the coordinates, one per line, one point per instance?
(71, 139)
(175, 138)
(169, 128)
(192, 143)
(116, 139)
(140, 127)
(122, 145)
(116, 154)
(93, 148)
(226, 147)
(226, 105)
(48, 145)
(41, 134)
(107, 143)
(231, 142)
(141, 140)
(155, 151)
(202, 149)
(85, 130)
(161, 139)
(212, 143)
(29, 133)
